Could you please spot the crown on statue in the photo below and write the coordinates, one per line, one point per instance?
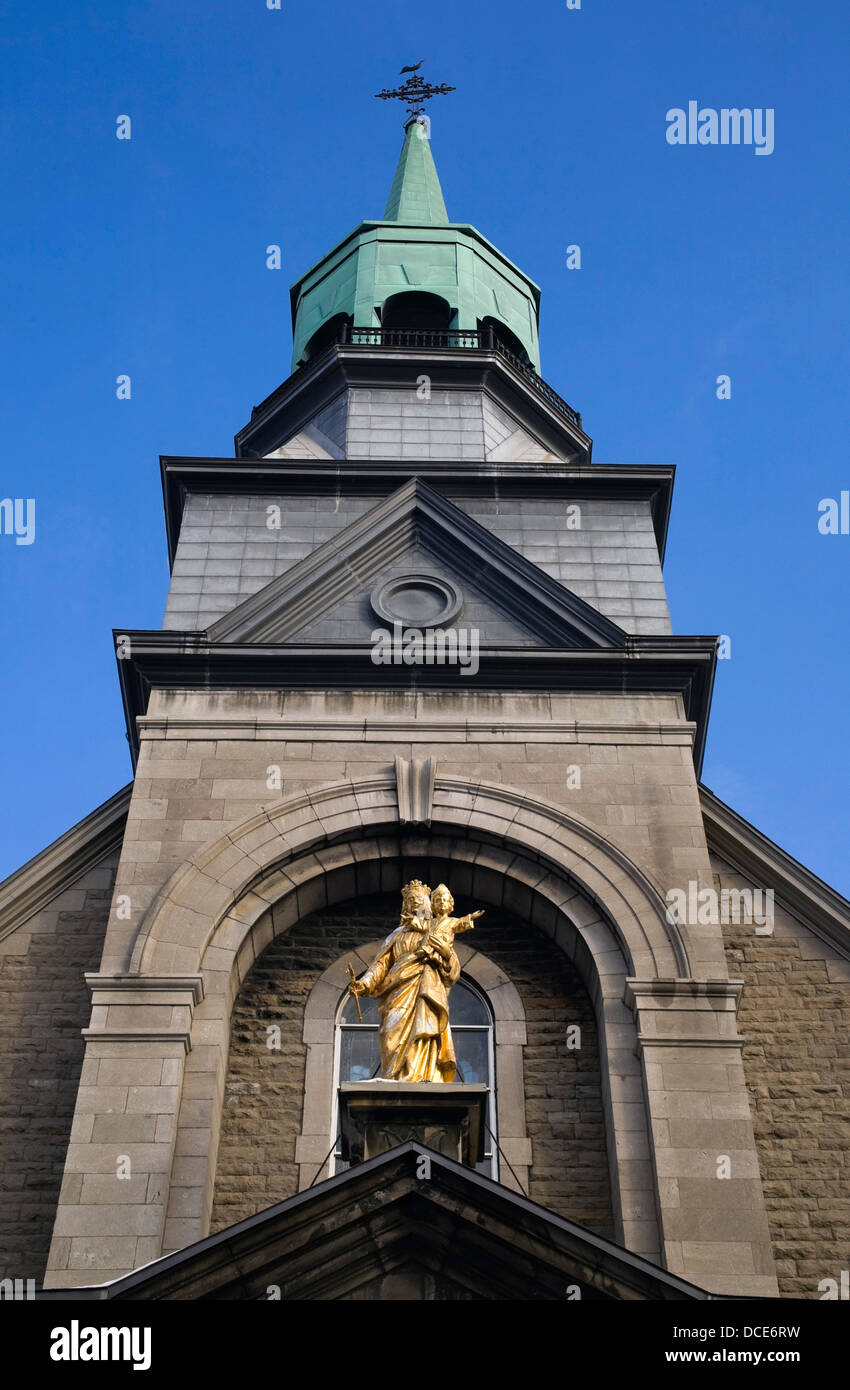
(413, 892)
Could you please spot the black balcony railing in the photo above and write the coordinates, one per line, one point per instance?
(417, 337)
(485, 339)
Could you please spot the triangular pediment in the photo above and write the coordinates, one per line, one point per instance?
(354, 619)
(515, 600)
(456, 1237)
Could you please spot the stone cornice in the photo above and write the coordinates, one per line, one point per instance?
(58, 867)
(417, 728)
(640, 992)
(162, 989)
(643, 1041)
(674, 1006)
(820, 908)
(139, 994)
(189, 661)
(182, 1036)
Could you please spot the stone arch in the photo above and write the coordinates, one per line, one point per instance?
(335, 842)
(320, 1019)
(210, 904)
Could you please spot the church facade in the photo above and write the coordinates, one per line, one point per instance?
(413, 632)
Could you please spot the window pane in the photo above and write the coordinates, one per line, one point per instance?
(368, 1008)
(472, 1052)
(360, 1054)
(466, 1007)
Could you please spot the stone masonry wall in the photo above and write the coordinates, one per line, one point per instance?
(44, 1004)
(795, 1019)
(262, 1115)
(204, 761)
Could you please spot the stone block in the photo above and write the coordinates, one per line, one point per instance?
(724, 1258)
(101, 1100)
(122, 1129)
(98, 1189)
(102, 1253)
(132, 1072)
(152, 1100)
(101, 1158)
(103, 1221)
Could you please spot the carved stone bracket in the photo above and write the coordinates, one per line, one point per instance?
(415, 787)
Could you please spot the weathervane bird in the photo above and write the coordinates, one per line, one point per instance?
(414, 68)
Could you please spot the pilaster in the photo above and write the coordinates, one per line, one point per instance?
(711, 1207)
(112, 1205)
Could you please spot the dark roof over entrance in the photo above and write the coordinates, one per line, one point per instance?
(411, 1225)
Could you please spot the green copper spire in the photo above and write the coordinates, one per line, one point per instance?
(416, 196)
(414, 270)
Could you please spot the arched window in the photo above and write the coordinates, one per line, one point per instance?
(357, 1054)
(416, 310)
(503, 335)
(325, 337)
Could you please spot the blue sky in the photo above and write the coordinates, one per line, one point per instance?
(252, 126)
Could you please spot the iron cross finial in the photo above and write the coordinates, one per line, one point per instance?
(416, 91)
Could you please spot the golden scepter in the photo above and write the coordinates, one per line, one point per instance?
(354, 996)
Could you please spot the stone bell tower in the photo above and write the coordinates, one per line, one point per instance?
(413, 629)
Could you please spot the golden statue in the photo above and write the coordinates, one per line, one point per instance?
(411, 978)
